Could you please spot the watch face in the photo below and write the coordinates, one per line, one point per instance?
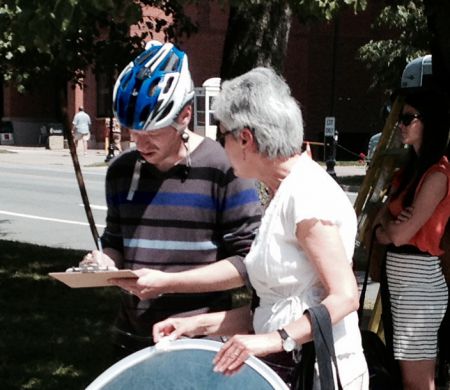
(289, 344)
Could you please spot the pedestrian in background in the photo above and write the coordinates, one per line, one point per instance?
(418, 211)
(81, 128)
(117, 135)
(116, 131)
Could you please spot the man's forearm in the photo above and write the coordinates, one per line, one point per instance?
(228, 323)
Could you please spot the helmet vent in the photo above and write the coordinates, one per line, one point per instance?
(144, 73)
(145, 56)
(153, 86)
(156, 109)
(144, 114)
(168, 84)
(172, 63)
(166, 110)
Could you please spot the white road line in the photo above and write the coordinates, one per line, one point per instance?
(47, 219)
(94, 206)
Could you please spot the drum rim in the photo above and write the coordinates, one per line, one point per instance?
(182, 344)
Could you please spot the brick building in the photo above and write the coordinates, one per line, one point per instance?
(321, 69)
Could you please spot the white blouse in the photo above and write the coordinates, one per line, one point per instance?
(283, 277)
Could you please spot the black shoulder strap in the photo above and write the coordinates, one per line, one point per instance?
(324, 346)
(362, 296)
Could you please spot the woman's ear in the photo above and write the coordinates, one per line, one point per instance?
(246, 137)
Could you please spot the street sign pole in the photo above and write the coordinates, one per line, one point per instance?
(330, 139)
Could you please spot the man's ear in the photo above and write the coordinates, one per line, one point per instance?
(185, 115)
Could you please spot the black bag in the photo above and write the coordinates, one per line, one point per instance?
(321, 347)
(304, 375)
(383, 372)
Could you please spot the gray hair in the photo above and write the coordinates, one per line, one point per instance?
(262, 101)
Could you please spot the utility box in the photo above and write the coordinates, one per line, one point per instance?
(6, 133)
(55, 136)
(204, 122)
(55, 142)
(6, 139)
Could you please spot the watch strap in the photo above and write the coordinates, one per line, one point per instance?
(283, 334)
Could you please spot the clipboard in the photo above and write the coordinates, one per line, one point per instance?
(79, 279)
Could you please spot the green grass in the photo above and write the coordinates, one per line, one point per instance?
(53, 337)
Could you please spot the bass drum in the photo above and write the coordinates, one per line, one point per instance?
(184, 364)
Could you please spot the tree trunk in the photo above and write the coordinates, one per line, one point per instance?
(437, 13)
(62, 116)
(257, 35)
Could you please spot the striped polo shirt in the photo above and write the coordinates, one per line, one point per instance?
(177, 220)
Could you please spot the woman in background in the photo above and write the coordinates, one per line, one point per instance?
(419, 209)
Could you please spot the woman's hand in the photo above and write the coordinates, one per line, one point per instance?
(433, 189)
(235, 351)
(405, 215)
(149, 284)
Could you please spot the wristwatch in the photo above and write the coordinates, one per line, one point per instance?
(287, 341)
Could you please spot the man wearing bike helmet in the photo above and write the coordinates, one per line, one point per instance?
(174, 203)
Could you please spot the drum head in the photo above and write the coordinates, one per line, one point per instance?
(184, 364)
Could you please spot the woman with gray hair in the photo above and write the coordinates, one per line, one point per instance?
(264, 100)
(302, 253)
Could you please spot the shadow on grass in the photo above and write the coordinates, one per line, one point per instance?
(53, 337)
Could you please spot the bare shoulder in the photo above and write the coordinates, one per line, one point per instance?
(434, 187)
(437, 178)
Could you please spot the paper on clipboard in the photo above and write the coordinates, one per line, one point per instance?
(91, 279)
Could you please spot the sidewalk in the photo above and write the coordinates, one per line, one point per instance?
(350, 170)
(42, 156)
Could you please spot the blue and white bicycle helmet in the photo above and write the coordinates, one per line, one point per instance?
(151, 91)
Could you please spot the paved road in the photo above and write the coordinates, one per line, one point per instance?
(40, 201)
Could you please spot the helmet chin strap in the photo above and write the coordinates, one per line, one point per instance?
(179, 127)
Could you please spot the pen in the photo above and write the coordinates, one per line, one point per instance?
(100, 248)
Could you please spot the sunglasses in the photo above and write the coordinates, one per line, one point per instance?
(406, 118)
(222, 133)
